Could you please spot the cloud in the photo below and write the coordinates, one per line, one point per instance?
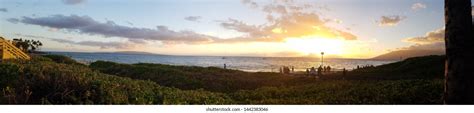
(250, 3)
(390, 20)
(129, 23)
(418, 6)
(429, 38)
(438, 46)
(193, 18)
(3, 10)
(31, 36)
(285, 19)
(102, 45)
(252, 30)
(275, 8)
(73, 2)
(87, 25)
(13, 20)
(432, 40)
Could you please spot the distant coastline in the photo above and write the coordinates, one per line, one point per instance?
(244, 63)
(404, 54)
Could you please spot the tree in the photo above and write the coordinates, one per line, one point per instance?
(27, 45)
(459, 70)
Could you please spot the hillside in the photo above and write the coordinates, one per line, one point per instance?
(424, 67)
(54, 79)
(403, 54)
(61, 81)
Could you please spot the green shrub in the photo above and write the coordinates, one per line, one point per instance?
(59, 59)
(348, 92)
(425, 67)
(8, 74)
(46, 82)
(193, 77)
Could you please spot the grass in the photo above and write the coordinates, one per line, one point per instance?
(347, 92)
(53, 79)
(426, 67)
(43, 81)
(192, 77)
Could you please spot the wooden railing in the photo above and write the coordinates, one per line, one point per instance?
(9, 51)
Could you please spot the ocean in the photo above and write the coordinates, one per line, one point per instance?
(250, 64)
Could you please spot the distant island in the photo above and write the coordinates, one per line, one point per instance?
(132, 52)
(403, 54)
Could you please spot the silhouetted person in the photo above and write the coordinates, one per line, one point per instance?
(344, 71)
(283, 69)
(320, 69)
(225, 66)
(313, 71)
(329, 68)
(286, 70)
(292, 69)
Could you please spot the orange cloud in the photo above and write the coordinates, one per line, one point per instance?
(430, 37)
(433, 40)
(285, 19)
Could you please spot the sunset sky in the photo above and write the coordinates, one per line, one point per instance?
(342, 28)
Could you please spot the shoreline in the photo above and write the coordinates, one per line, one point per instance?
(237, 63)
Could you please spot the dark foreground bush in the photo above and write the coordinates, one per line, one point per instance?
(348, 92)
(45, 82)
(7, 74)
(425, 67)
(193, 77)
(61, 59)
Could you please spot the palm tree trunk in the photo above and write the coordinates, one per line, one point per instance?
(459, 70)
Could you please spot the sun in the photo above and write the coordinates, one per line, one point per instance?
(316, 45)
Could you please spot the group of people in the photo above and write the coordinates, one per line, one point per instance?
(313, 71)
(363, 67)
(286, 69)
(326, 69)
(366, 66)
(319, 71)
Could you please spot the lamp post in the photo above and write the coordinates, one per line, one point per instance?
(322, 58)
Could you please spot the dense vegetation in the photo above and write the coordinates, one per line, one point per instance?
(348, 92)
(53, 79)
(192, 77)
(426, 67)
(42, 81)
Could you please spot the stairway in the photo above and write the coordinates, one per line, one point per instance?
(1, 50)
(9, 51)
